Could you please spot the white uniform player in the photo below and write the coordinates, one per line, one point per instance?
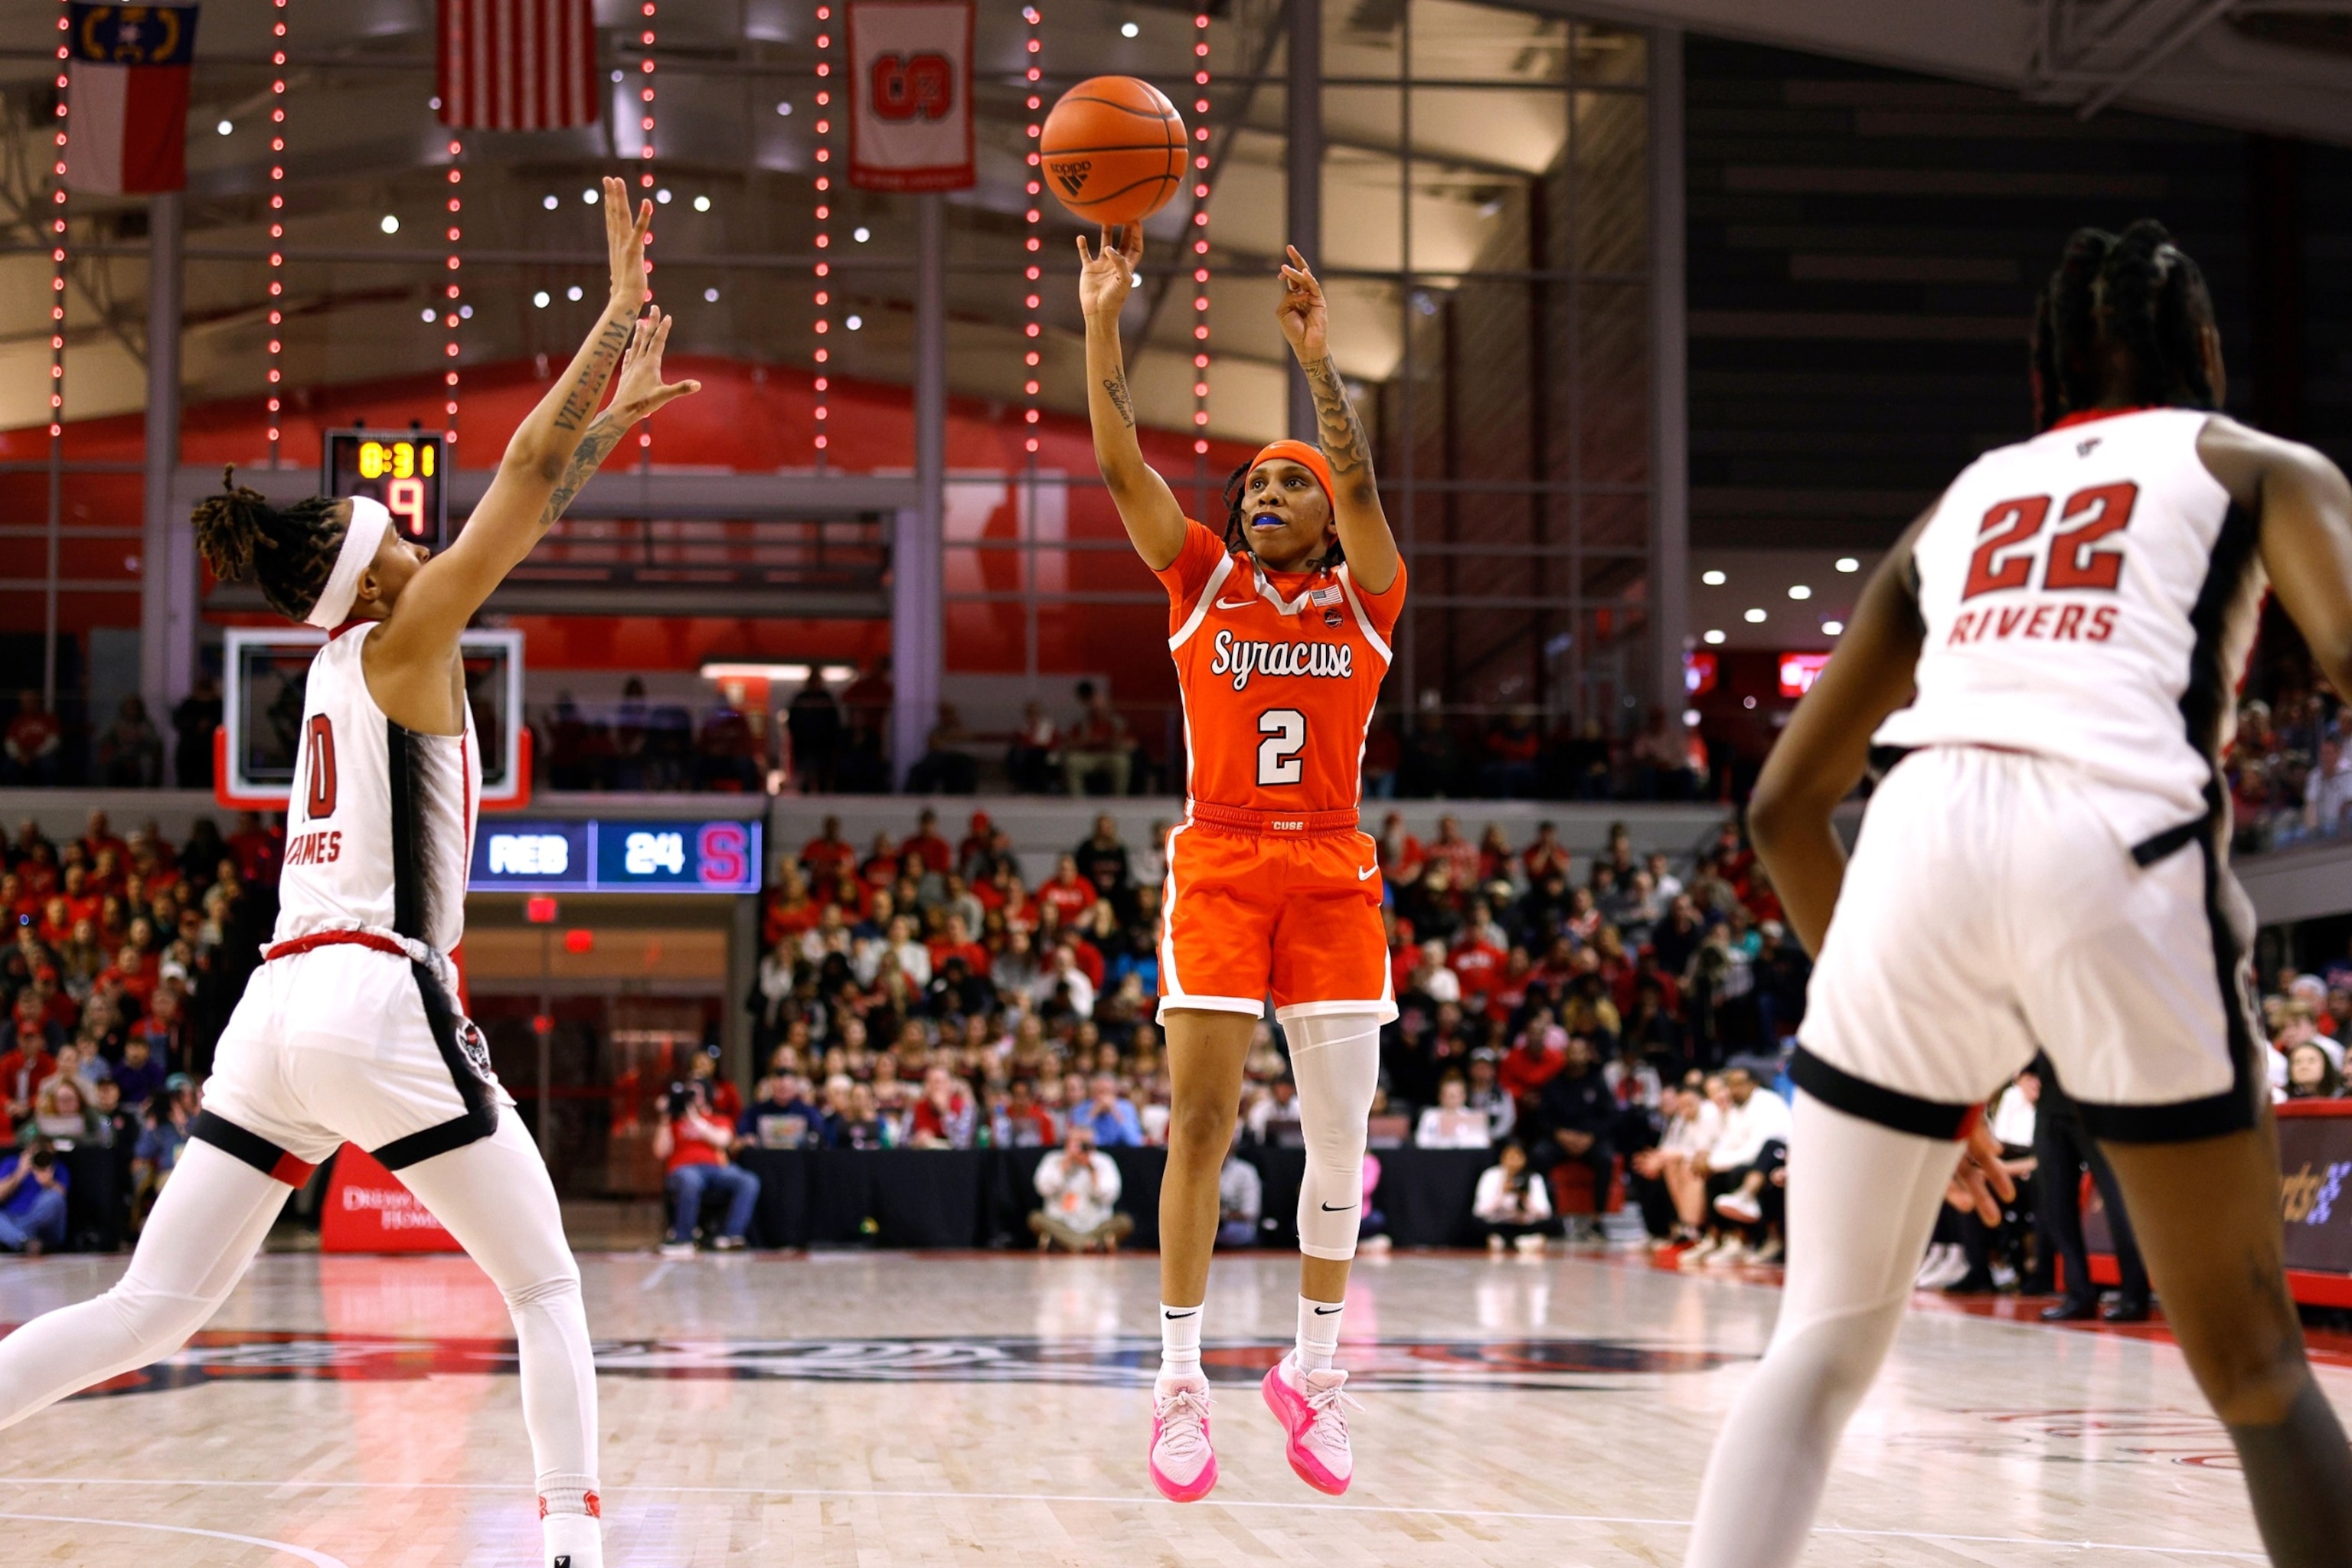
(380, 834)
(2046, 868)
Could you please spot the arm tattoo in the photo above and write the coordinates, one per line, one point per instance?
(588, 386)
(1117, 387)
(1342, 433)
(604, 433)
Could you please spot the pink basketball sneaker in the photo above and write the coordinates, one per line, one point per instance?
(1183, 1464)
(1311, 1411)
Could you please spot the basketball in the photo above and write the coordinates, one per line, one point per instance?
(1114, 150)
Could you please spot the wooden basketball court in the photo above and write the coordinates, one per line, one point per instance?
(879, 1409)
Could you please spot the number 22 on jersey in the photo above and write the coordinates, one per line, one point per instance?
(2004, 559)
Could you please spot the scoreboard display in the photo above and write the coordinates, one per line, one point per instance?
(406, 471)
(604, 856)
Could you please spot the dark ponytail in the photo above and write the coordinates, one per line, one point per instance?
(290, 554)
(1237, 522)
(2136, 298)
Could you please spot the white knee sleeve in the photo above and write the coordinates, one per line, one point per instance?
(1336, 1061)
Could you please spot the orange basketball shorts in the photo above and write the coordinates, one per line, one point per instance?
(1255, 905)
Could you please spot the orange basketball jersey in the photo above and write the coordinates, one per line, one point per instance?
(1279, 672)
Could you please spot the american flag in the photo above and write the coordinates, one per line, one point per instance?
(517, 65)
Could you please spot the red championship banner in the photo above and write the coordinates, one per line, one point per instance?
(910, 95)
(369, 1211)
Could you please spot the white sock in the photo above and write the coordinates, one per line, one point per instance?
(1318, 1334)
(1179, 1343)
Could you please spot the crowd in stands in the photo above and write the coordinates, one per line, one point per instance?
(920, 994)
(127, 953)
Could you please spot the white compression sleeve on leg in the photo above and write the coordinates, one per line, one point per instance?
(1862, 1201)
(497, 1200)
(207, 1225)
(1336, 1061)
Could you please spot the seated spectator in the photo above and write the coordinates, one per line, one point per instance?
(692, 1145)
(1451, 1123)
(864, 1126)
(1511, 745)
(1101, 858)
(32, 1199)
(1665, 1178)
(947, 766)
(1241, 1198)
(1068, 894)
(1486, 1095)
(1579, 1116)
(1020, 1123)
(1029, 760)
(1081, 1187)
(2310, 1075)
(828, 855)
(726, 1100)
(1750, 1151)
(1108, 1116)
(130, 754)
(170, 1116)
(29, 1064)
(1272, 1119)
(781, 1117)
(61, 1116)
(34, 745)
(1512, 1205)
(944, 1118)
(1097, 743)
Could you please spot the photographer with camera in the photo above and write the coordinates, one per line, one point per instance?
(32, 1199)
(693, 1145)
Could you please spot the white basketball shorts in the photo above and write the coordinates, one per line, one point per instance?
(345, 1043)
(1990, 910)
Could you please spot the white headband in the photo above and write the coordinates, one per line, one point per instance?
(369, 524)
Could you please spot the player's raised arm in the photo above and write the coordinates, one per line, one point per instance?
(542, 466)
(1825, 749)
(1146, 505)
(1354, 495)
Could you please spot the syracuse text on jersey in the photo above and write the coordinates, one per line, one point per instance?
(1242, 657)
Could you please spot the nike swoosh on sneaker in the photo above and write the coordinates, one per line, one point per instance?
(1367, 874)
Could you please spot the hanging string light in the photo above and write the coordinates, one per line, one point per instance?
(453, 299)
(824, 323)
(277, 225)
(1201, 238)
(58, 256)
(645, 177)
(1031, 329)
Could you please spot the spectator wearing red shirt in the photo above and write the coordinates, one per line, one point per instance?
(790, 909)
(1546, 855)
(692, 1146)
(34, 745)
(943, 1117)
(936, 853)
(726, 1100)
(1509, 990)
(1455, 853)
(83, 902)
(99, 837)
(1067, 893)
(25, 1069)
(976, 853)
(1478, 964)
(1494, 855)
(259, 850)
(956, 943)
(1399, 852)
(828, 854)
(880, 866)
(1538, 1057)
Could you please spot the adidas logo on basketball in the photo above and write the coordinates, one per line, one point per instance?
(1073, 175)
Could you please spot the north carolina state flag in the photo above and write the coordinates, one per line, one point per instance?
(127, 98)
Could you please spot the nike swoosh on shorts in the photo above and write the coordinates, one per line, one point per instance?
(1367, 873)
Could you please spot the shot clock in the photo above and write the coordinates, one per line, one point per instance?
(404, 471)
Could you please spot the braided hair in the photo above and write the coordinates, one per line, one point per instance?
(290, 554)
(2123, 314)
(1236, 494)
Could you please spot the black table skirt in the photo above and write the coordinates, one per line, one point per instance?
(983, 1197)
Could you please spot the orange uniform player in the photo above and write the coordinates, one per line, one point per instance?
(1272, 886)
(1280, 634)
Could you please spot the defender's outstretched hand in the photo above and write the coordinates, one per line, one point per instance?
(1304, 320)
(1980, 1183)
(1106, 276)
(639, 389)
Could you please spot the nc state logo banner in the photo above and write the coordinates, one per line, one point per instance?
(910, 95)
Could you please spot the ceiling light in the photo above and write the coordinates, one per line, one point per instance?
(428, 312)
(572, 292)
(1755, 617)
(702, 203)
(1712, 579)
(1848, 564)
(589, 197)
(783, 109)
(1129, 30)
(464, 312)
(1799, 591)
(1690, 718)
(854, 323)
(548, 201)
(1833, 629)
(710, 296)
(662, 195)
(540, 298)
(1713, 637)
(389, 224)
(225, 127)
(618, 78)
(861, 234)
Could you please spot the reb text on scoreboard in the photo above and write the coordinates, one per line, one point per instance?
(601, 855)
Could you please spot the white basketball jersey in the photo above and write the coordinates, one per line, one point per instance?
(2091, 596)
(379, 830)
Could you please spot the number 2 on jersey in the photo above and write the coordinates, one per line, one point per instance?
(1285, 730)
(2071, 563)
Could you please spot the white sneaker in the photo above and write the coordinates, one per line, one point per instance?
(1942, 1271)
(1696, 1255)
(1531, 1245)
(1730, 1254)
(1183, 1465)
(675, 1250)
(571, 1540)
(1496, 1246)
(1767, 1253)
(1741, 1207)
(1939, 1254)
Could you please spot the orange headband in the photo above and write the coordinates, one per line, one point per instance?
(1310, 457)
